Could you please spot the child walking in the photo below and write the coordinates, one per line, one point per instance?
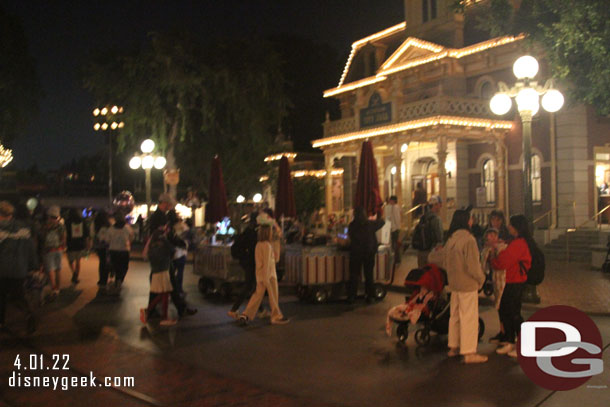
(160, 254)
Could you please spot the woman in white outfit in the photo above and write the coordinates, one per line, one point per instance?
(266, 280)
(460, 258)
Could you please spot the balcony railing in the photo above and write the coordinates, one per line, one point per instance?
(436, 106)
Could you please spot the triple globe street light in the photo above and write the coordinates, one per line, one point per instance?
(526, 92)
(147, 161)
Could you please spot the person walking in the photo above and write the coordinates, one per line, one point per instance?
(17, 258)
(77, 242)
(52, 245)
(461, 259)
(101, 225)
(432, 227)
(120, 236)
(362, 250)
(420, 197)
(176, 232)
(516, 259)
(392, 214)
(266, 280)
(160, 253)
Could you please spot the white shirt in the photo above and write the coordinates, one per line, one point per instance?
(392, 214)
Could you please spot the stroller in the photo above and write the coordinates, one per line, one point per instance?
(427, 306)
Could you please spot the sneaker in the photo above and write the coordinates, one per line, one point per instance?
(498, 338)
(143, 316)
(453, 352)
(503, 350)
(168, 322)
(233, 314)
(243, 320)
(263, 314)
(475, 358)
(513, 353)
(280, 321)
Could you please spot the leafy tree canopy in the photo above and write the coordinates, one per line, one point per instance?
(196, 100)
(20, 90)
(574, 34)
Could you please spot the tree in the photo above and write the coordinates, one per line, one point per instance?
(309, 196)
(20, 90)
(574, 35)
(195, 101)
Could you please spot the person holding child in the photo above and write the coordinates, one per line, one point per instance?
(492, 246)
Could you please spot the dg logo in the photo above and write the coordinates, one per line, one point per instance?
(560, 348)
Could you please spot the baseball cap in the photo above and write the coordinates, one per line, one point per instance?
(434, 199)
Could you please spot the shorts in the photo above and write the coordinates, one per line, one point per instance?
(52, 261)
(75, 255)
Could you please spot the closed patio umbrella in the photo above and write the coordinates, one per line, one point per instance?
(367, 187)
(284, 201)
(216, 208)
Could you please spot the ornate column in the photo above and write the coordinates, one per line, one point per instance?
(441, 153)
(499, 144)
(398, 163)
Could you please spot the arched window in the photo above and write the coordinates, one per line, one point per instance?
(489, 181)
(536, 179)
(487, 90)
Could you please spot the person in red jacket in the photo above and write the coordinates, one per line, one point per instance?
(516, 260)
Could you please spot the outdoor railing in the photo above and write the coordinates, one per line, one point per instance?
(570, 231)
(549, 222)
(409, 217)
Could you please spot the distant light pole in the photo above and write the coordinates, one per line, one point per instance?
(107, 121)
(147, 161)
(527, 94)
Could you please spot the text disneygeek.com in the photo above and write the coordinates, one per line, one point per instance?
(57, 363)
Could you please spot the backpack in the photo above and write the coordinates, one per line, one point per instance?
(238, 248)
(422, 235)
(535, 274)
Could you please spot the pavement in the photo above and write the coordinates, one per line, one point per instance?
(331, 354)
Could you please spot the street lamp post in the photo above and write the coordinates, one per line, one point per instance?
(147, 161)
(526, 92)
(107, 121)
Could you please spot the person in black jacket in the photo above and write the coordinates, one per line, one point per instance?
(362, 251)
(247, 242)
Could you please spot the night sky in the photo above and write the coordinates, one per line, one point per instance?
(61, 35)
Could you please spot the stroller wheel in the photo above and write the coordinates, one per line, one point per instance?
(481, 328)
(320, 296)
(402, 331)
(422, 337)
(302, 292)
(380, 292)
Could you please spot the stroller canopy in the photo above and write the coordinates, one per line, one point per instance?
(433, 278)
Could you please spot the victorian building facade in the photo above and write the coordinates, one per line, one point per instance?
(420, 91)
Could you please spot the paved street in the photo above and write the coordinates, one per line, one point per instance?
(331, 354)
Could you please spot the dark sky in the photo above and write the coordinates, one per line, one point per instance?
(62, 33)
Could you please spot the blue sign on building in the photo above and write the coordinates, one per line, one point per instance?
(376, 113)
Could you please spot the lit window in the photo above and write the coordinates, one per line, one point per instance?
(536, 179)
(489, 181)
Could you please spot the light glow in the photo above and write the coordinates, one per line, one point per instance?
(148, 162)
(135, 163)
(525, 67)
(404, 147)
(500, 104)
(316, 173)
(104, 111)
(552, 100)
(96, 112)
(147, 146)
(105, 126)
(240, 199)
(528, 100)
(450, 165)
(96, 126)
(354, 85)
(160, 162)
(275, 157)
(257, 198)
(6, 156)
(414, 125)
(115, 109)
